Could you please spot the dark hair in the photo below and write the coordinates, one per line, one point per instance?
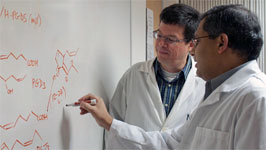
(183, 15)
(239, 24)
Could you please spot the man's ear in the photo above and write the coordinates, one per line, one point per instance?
(222, 40)
(190, 46)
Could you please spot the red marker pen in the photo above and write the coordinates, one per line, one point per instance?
(92, 101)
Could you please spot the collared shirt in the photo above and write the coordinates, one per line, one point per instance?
(170, 89)
(211, 85)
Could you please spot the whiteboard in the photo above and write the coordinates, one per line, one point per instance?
(52, 52)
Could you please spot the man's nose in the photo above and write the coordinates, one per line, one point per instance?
(161, 42)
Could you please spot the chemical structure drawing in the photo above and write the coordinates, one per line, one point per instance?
(30, 63)
(3, 57)
(11, 90)
(63, 66)
(12, 125)
(21, 81)
(26, 144)
(46, 146)
(58, 91)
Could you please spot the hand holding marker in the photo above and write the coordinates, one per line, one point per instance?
(92, 102)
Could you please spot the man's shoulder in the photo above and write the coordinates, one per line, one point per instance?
(256, 79)
(145, 66)
(137, 69)
(257, 82)
(253, 89)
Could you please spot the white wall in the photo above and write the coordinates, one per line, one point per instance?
(138, 31)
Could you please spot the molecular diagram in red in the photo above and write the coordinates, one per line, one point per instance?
(64, 67)
(29, 62)
(26, 144)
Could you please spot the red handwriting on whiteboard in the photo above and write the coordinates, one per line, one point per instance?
(30, 62)
(62, 66)
(10, 91)
(4, 146)
(12, 76)
(58, 94)
(21, 16)
(25, 119)
(44, 147)
(38, 83)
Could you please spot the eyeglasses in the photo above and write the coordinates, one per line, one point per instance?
(167, 39)
(196, 41)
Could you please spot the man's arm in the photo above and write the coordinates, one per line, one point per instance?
(132, 135)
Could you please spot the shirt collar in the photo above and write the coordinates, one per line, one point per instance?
(184, 71)
(187, 67)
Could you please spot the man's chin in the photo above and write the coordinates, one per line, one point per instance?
(199, 74)
(163, 56)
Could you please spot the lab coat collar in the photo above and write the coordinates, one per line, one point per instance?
(240, 77)
(234, 82)
(148, 67)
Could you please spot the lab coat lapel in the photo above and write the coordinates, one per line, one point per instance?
(182, 98)
(155, 97)
(211, 99)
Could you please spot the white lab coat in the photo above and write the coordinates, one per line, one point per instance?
(137, 101)
(232, 117)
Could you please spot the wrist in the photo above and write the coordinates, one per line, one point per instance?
(108, 123)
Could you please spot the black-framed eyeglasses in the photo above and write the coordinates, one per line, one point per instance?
(168, 39)
(196, 41)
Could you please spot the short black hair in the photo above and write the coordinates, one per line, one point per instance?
(182, 15)
(240, 25)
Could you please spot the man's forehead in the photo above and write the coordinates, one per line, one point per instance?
(171, 29)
